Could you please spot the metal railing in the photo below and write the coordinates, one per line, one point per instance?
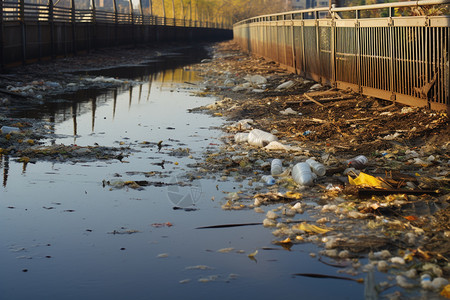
(20, 10)
(389, 56)
(30, 30)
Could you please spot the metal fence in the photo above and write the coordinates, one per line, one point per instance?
(30, 30)
(393, 57)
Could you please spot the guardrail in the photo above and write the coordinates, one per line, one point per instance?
(33, 31)
(397, 58)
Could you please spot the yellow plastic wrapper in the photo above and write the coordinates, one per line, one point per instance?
(310, 228)
(364, 179)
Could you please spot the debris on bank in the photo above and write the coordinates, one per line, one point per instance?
(369, 178)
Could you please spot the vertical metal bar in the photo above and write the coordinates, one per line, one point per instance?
(133, 40)
(427, 78)
(439, 68)
(74, 31)
(2, 42)
(410, 61)
(358, 50)
(93, 38)
(333, 50)
(284, 27)
(116, 23)
(294, 58)
(23, 30)
(303, 46)
(317, 60)
(403, 48)
(434, 70)
(416, 70)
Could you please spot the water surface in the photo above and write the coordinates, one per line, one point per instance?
(57, 219)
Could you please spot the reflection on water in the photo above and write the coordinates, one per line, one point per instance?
(60, 222)
(167, 79)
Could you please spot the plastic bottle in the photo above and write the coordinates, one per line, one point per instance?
(268, 179)
(302, 174)
(9, 129)
(260, 138)
(276, 168)
(316, 167)
(241, 137)
(357, 162)
(425, 281)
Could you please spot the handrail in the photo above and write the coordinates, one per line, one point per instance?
(351, 8)
(23, 11)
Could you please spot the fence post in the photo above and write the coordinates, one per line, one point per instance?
(52, 28)
(132, 23)
(23, 30)
(358, 50)
(294, 57)
(116, 22)
(2, 42)
(333, 48)
(317, 45)
(391, 53)
(74, 31)
(94, 27)
(303, 47)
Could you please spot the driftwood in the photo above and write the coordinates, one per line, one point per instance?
(312, 99)
(366, 192)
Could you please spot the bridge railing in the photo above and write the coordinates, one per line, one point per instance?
(373, 49)
(30, 30)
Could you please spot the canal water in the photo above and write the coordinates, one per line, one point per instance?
(67, 234)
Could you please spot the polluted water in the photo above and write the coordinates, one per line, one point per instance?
(125, 228)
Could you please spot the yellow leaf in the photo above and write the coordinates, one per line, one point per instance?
(30, 142)
(175, 163)
(122, 143)
(253, 253)
(310, 228)
(299, 238)
(364, 179)
(218, 114)
(446, 291)
(285, 241)
(293, 195)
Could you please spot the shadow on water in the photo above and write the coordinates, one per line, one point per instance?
(78, 101)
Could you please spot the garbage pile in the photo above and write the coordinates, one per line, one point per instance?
(360, 177)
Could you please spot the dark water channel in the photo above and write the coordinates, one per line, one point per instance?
(57, 219)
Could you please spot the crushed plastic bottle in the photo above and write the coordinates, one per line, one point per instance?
(260, 138)
(302, 174)
(316, 167)
(357, 162)
(241, 137)
(276, 167)
(268, 179)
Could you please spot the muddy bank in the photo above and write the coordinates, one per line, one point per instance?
(393, 207)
